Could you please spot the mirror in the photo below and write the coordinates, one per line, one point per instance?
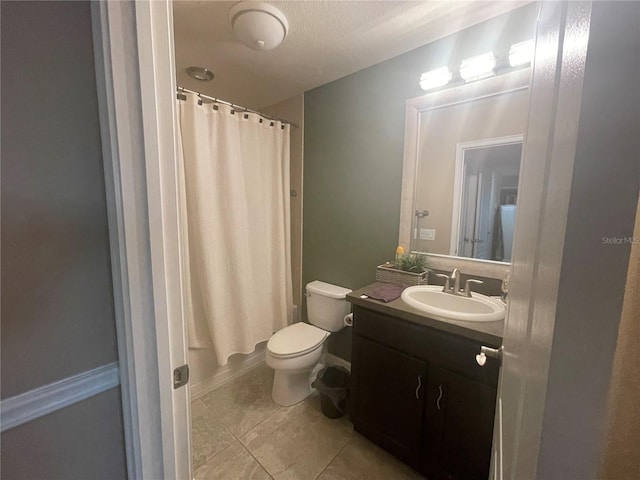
(482, 224)
(461, 168)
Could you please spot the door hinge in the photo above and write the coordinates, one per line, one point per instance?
(180, 376)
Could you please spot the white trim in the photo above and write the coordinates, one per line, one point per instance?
(226, 375)
(251, 361)
(543, 191)
(113, 39)
(41, 401)
(459, 177)
(511, 82)
(133, 47)
(470, 266)
(154, 33)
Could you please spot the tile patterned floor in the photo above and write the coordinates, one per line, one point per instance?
(239, 433)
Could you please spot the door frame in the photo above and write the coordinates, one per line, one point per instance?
(458, 182)
(136, 81)
(135, 72)
(544, 189)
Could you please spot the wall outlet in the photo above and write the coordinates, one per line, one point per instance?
(427, 234)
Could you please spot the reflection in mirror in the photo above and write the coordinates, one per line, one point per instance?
(486, 217)
(461, 169)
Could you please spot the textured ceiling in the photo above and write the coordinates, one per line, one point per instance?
(326, 40)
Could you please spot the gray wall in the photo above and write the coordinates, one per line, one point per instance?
(57, 305)
(79, 442)
(353, 147)
(292, 110)
(604, 197)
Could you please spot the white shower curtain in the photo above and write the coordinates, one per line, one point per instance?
(236, 205)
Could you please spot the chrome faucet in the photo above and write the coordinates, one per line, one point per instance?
(455, 276)
(447, 280)
(467, 286)
(455, 289)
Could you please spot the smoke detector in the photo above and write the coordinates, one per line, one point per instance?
(258, 25)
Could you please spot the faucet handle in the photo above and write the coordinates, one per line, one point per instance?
(447, 279)
(467, 286)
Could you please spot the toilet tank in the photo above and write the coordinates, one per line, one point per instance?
(327, 305)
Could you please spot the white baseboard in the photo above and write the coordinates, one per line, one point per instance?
(334, 360)
(227, 373)
(43, 400)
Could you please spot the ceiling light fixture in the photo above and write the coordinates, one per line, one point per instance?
(258, 25)
(435, 78)
(480, 66)
(521, 53)
(200, 73)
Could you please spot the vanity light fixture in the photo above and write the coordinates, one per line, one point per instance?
(435, 78)
(521, 53)
(480, 66)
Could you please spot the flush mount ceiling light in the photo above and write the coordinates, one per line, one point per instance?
(258, 25)
(435, 78)
(478, 67)
(200, 73)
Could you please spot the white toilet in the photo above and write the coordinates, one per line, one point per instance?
(295, 350)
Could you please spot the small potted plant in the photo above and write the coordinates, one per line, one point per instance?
(409, 269)
(413, 262)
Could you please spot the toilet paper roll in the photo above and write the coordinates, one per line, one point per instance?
(348, 320)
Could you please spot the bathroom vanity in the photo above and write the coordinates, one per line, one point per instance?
(417, 390)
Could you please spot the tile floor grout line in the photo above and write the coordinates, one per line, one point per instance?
(257, 461)
(334, 457)
(269, 415)
(220, 424)
(207, 459)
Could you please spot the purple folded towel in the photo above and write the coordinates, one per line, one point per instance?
(385, 292)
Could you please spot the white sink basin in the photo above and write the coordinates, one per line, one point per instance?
(444, 306)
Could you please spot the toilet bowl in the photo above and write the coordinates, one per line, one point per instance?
(294, 351)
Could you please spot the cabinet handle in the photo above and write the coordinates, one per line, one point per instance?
(439, 397)
(418, 387)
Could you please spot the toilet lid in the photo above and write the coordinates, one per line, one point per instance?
(296, 339)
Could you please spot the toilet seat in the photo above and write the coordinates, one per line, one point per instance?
(296, 340)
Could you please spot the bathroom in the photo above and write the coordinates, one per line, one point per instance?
(549, 392)
(336, 153)
(348, 146)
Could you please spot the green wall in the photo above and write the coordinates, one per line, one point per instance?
(353, 147)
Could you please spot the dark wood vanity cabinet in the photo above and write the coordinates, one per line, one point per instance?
(390, 397)
(459, 429)
(419, 393)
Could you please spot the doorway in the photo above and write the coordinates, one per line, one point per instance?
(488, 205)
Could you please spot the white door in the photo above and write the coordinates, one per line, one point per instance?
(135, 74)
(543, 199)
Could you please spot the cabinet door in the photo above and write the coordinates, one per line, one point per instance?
(388, 395)
(459, 426)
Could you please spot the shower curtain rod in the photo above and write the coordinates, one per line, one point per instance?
(233, 105)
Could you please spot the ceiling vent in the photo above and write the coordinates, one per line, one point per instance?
(200, 73)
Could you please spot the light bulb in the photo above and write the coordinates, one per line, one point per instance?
(480, 66)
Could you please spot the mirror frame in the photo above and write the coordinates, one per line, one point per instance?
(502, 84)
